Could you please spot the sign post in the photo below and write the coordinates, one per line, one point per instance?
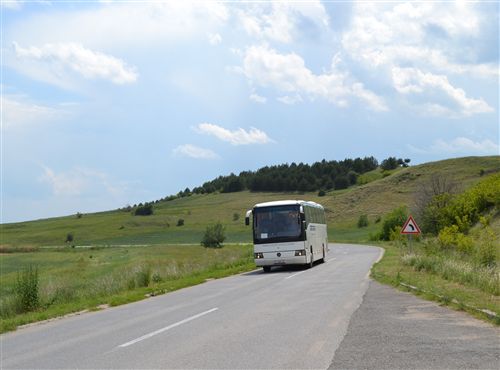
(410, 228)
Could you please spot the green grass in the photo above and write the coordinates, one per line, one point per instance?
(436, 286)
(374, 175)
(349, 232)
(73, 279)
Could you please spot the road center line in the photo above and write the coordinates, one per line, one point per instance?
(146, 336)
(298, 273)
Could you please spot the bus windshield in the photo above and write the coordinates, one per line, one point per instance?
(279, 223)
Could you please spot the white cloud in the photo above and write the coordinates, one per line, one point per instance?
(281, 21)
(425, 38)
(18, 112)
(53, 61)
(124, 24)
(414, 81)
(257, 98)
(399, 32)
(80, 182)
(290, 100)
(287, 73)
(236, 137)
(460, 145)
(192, 151)
(214, 39)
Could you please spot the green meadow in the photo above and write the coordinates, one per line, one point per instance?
(75, 279)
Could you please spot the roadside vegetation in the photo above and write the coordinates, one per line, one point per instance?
(51, 282)
(457, 261)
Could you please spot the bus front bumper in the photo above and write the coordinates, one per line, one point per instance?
(280, 259)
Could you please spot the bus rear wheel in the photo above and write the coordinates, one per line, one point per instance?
(267, 268)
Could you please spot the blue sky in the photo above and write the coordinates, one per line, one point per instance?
(109, 103)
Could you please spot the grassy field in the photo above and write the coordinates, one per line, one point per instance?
(73, 279)
(117, 257)
(374, 199)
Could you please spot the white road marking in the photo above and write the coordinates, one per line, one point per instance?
(298, 273)
(381, 254)
(146, 336)
(331, 259)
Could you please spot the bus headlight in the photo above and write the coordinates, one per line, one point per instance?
(258, 255)
(301, 252)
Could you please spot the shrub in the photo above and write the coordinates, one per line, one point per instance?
(321, 193)
(363, 221)
(236, 216)
(27, 290)
(143, 276)
(69, 238)
(486, 252)
(180, 222)
(79, 215)
(156, 278)
(446, 237)
(463, 210)
(144, 210)
(395, 219)
(434, 214)
(214, 236)
(465, 244)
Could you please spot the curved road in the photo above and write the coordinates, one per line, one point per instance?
(289, 318)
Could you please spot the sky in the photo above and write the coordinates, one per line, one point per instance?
(110, 103)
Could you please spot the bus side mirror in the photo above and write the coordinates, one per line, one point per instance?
(247, 217)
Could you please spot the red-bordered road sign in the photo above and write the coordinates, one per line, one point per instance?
(410, 227)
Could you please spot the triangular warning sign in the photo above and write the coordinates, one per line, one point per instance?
(410, 227)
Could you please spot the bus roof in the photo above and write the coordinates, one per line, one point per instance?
(288, 203)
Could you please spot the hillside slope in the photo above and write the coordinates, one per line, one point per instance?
(375, 199)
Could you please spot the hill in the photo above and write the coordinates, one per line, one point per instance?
(376, 197)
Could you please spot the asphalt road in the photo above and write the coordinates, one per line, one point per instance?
(396, 330)
(289, 318)
(329, 316)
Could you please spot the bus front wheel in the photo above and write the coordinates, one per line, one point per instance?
(267, 268)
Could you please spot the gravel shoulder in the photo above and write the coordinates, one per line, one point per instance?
(396, 330)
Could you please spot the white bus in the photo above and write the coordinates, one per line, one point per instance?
(288, 232)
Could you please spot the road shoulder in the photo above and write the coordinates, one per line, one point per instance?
(394, 329)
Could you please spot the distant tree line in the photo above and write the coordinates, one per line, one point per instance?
(293, 177)
(392, 163)
(302, 177)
